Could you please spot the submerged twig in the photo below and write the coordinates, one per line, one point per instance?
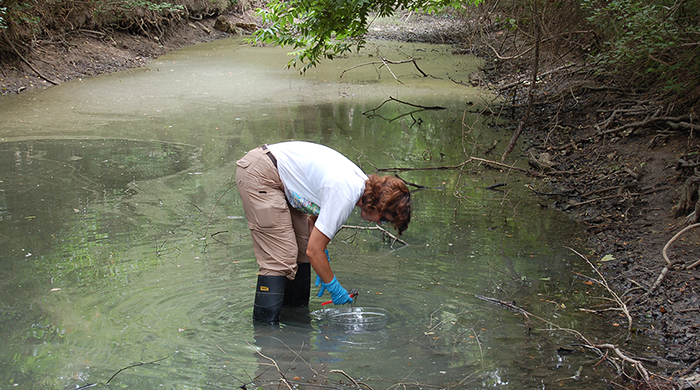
(510, 306)
(460, 165)
(211, 214)
(135, 365)
(408, 183)
(377, 227)
(349, 377)
(604, 282)
(638, 365)
(283, 378)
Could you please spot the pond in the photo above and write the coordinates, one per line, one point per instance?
(127, 263)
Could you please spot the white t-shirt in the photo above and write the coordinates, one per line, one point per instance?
(319, 181)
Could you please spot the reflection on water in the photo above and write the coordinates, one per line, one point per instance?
(123, 241)
(100, 163)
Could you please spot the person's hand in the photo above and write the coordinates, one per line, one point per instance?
(338, 293)
(318, 278)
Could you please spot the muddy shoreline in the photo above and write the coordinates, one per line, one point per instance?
(621, 187)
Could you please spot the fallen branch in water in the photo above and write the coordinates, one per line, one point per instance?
(211, 214)
(604, 283)
(273, 363)
(135, 365)
(120, 370)
(381, 229)
(494, 187)
(385, 62)
(393, 99)
(408, 183)
(638, 365)
(460, 165)
(510, 306)
(349, 377)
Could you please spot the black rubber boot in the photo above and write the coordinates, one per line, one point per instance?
(269, 296)
(297, 292)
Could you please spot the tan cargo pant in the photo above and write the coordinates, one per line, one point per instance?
(280, 232)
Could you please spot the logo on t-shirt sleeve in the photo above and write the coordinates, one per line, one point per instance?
(302, 204)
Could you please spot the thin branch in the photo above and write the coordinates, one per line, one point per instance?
(460, 165)
(386, 62)
(588, 344)
(283, 379)
(392, 99)
(347, 376)
(636, 363)
(14, 49)
(631, 194)
(619, 301)
(531, 96)
(134, 365)
(211, 214)
(670, 263)
(672, 122)
(673, 239)
(381, 229)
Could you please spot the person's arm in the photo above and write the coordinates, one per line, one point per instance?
(316, 250)
(312, 221)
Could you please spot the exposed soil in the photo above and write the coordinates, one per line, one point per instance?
(621, 187)
(86, 53)
(624, 190)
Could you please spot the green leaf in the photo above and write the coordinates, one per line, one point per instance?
(608, 258)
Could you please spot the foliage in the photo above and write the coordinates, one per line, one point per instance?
(324, 29)
(156, 7)
(3, 12)
(653, 44)
(27, 19)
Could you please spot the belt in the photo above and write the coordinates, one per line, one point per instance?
(269, 154)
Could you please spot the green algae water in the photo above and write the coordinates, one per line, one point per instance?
(126, 263)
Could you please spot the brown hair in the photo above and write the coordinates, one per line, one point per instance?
(390, 196)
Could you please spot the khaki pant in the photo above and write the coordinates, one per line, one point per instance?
(280, 233)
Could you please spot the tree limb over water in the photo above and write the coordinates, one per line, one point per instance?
(381, 229)
(372, 112)
(385, 62)
(460, 165)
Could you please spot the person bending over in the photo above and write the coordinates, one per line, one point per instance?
(296, 196)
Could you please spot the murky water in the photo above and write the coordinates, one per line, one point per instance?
(126, 261)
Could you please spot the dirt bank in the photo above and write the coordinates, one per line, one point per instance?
(84, 53)
(621, 182)
(624, 189)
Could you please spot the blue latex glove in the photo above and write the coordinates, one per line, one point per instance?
(338, 293)
(318, 278)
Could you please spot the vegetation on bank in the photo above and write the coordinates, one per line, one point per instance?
(650, 45)
(25, 22)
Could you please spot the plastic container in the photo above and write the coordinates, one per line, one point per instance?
(356, 320)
